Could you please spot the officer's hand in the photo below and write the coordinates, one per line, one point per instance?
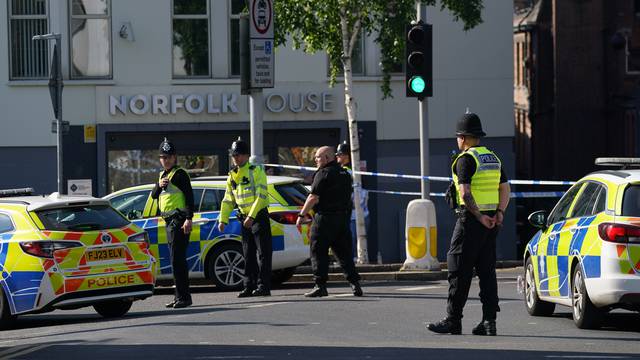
(499, 218)
(164, 182)
(248, 222)
(221, 226)
(299, 222)
(186, 227)
(487, 221)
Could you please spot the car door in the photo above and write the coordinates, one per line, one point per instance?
(546, 249)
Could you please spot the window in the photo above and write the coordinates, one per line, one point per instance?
(601, 203)
(29, 59)
(82, 218)
(631, 201)
(559, 213)
(357, 59)
(295, 194)
(90, 39)
(190, 38)
(6, 225)
(211, 200)
(131, 204)
(197, 198)
(235, 8)
(587, 200)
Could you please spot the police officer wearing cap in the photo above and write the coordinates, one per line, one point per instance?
(247, 190)
(175, 201)
(482, 198)
(331, 199)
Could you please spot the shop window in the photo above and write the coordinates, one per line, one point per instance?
(297, 156)
(90, 40)
(235, 8)
(191, 51)
(28, 58)
(135, 167)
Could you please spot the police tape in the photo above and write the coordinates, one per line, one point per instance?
(430, 178)
(520, 195)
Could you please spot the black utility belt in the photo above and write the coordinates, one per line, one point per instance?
(335, 212)
(174, 214)
(460, 211)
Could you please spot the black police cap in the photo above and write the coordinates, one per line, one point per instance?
(167, 147)
(239, 147)
(469, 124)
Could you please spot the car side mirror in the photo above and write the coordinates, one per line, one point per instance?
(539, 219)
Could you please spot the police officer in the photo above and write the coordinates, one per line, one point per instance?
(247, 190)
(175, 195)
(482, 198)
(331, 199)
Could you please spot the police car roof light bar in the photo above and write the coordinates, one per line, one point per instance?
(622, 162)
(16, 192)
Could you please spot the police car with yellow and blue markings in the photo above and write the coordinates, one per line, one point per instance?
(586, 254)
(214, 255)
(63, 252)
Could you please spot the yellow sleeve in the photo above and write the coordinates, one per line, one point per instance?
(228, 203)
(262, 194)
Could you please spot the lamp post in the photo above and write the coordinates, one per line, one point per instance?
(55, 88)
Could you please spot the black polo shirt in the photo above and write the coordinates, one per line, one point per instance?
(332, 183)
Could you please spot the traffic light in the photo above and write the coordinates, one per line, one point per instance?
(418, 55)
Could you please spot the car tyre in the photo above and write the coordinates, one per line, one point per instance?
(114, 308)
(535, 306)
(226, 266)
(585, 314)
(279, 277)
(6, 319)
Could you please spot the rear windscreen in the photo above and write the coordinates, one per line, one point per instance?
(294, 194)
(81, 218)
(631, 201)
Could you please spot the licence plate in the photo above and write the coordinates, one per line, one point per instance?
(105, 254)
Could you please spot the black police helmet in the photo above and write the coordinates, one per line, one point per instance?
(343, 149)
(167, 147)
(469, 124)
(239, 147)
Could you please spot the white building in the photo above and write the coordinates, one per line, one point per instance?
(138, 70)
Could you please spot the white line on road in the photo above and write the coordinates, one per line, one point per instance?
(418, 288)
(340, 295)
(26, 351)
(267, 304)
(586, 357)
(232, 357)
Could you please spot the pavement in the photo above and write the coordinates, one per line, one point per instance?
(390, 272)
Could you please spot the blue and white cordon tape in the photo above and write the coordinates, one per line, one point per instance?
(542, 194)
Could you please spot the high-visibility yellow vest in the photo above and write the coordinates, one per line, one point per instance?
(246, 189)
(172, 197)
(486, 180)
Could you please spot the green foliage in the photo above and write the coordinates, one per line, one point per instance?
(315, 25)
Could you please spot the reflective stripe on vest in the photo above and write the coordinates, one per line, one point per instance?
(486, 180)
(172, 197)
(246, 193)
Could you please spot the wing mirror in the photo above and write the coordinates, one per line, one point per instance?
(539, 219)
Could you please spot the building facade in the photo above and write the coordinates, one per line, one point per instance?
(137, 71)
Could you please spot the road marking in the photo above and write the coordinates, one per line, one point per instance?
(373, 323)
(315, 323)
(267, 304)
(232, 357)
(340, 295)
(418, 288)
(26, 351)
(586, 357)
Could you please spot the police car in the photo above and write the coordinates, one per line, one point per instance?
(61, 252)
(587, 252)
(214, 255)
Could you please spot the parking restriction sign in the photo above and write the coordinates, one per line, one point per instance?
(261, 44)
(261, 19)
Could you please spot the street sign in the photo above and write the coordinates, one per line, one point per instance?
(79, 187)
(261, 19)
(55, 82)
(262, 63)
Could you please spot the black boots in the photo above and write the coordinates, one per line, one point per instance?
(245, 293)
(485, 327)
(261, 291)
(446, 326)
(356, 289)
(317, 291)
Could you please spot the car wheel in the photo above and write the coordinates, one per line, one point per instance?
(226, 266)
(535, 306)
(585, 314)
(6, 319)
(114, 308)
(281, 276)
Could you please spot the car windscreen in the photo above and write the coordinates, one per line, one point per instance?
(631, 201)
(81, 218)
(295, 194)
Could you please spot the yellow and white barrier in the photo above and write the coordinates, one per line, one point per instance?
(421, 236)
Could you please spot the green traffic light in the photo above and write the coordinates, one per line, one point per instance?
(417, 84)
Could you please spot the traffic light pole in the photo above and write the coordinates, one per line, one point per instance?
(424, 122)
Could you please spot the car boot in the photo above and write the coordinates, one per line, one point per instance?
(356, 289)
(446, 326)
(485, 327)
(317, 291)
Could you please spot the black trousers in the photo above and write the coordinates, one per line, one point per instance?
(473, 246)
(257, 249)
(178, 243)
(331, 231)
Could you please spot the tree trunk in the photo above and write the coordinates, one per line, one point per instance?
(348, 41)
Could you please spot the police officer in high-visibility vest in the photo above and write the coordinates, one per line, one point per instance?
(247, 190)
(175, 201)
(482, 194)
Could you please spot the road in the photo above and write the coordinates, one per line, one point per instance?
(389, 322)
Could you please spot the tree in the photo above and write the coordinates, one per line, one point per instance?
(334, 25)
